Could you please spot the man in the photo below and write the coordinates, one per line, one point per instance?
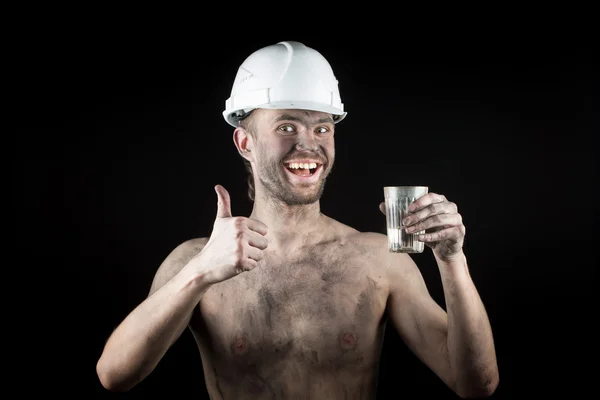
(289, 303)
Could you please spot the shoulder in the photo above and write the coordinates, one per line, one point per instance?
(373, 244)
(176, 260)
(370, 250)
(373, 247)
(373, 241)
(187, 249)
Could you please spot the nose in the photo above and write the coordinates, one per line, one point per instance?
(307, 141)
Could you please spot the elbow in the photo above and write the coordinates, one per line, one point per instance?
(479, 388)
(111, 380)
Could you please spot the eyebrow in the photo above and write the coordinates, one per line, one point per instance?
(289, 117)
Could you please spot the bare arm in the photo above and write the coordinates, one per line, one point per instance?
(137, 345)
(141, 340)
(458, 345)
(471, 347)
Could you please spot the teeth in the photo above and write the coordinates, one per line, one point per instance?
(302, 165)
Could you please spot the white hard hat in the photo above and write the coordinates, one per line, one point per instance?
(284, 75)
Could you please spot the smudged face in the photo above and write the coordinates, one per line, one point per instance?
(294, 153)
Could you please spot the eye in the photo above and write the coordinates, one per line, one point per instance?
(287, 128)
(322, 130)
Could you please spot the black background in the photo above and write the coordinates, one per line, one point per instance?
(122, 141)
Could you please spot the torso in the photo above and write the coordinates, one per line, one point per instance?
(306, 324)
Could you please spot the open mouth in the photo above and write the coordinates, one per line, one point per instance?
(303, 169)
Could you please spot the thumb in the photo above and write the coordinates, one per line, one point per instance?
(382, 207)
(223, 202)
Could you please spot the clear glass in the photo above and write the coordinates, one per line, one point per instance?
(397, 200)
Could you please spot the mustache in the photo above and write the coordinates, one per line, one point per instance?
(312, 155)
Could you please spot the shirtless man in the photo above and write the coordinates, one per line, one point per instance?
(288, 303)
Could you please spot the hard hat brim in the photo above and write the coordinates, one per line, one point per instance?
(234, 116)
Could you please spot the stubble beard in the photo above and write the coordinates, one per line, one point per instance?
(279, 188)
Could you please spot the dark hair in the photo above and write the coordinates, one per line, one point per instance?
(248, 125)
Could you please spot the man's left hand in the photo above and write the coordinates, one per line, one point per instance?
(443, 225)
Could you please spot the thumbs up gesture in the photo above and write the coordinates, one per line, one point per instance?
(235, 245)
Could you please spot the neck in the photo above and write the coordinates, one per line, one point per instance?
(289, 225)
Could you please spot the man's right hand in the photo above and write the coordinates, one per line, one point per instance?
(235, 245)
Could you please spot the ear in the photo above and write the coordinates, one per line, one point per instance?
(243, 142)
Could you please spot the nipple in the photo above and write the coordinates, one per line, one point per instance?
(239, 345)
(348, 341)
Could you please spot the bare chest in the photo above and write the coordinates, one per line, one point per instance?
(320, 312)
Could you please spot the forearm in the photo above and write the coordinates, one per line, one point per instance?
(471, 349)
(136, 346)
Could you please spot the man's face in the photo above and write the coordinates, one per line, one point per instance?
(294, 153)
